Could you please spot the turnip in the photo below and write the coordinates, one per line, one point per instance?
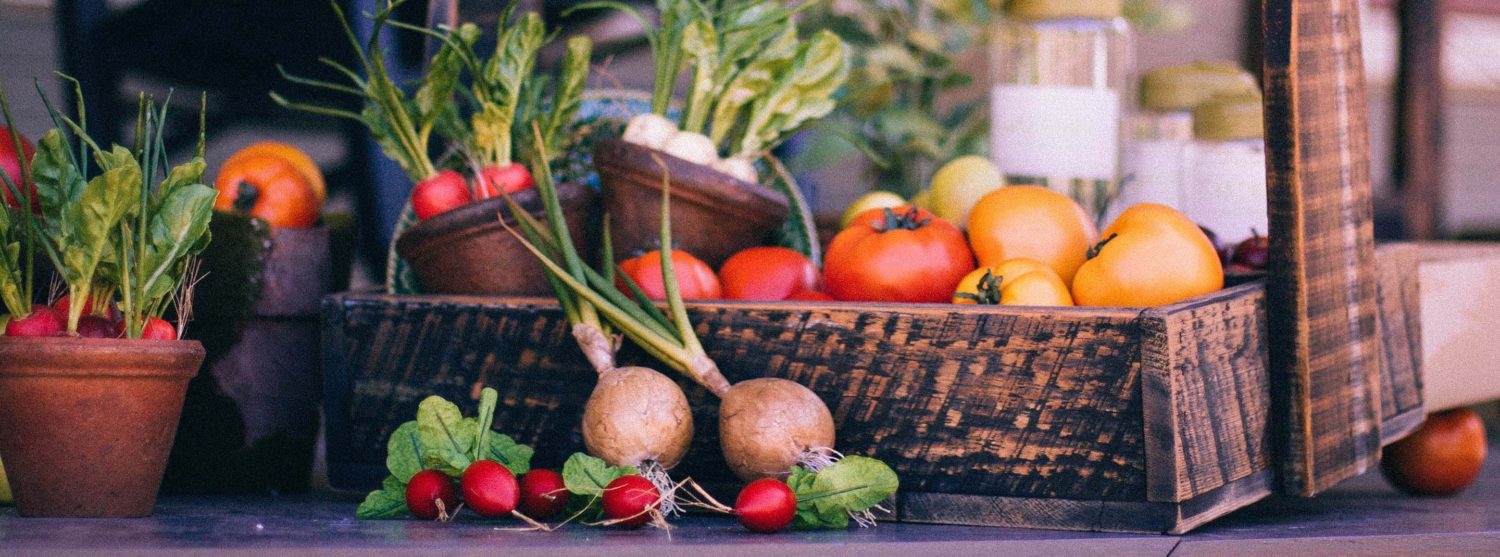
(769, 425)
(650, 130)
(543, 494)
(739, 167)
(693, 147)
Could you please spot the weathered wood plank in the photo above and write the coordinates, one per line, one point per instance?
(1419, 145)
(1207, 398)
(1321, 290)
(1023, 403)
(1400, 331)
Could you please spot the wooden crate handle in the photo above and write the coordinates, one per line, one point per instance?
(1321, 298)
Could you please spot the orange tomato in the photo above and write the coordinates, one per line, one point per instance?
(695, 279)
(269, 188)
(1034, 223)
(1016, 282)
(298, 159)
(1152, 255)
(1441, 458)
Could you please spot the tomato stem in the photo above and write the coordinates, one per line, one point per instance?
(1094, 251)
(246, 195)
(909, 220)
(987, 291)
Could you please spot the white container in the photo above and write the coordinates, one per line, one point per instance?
(1058, 74)
(1226, 187)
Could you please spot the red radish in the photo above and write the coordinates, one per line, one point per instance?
(426, 490)
(766, 505)
(43, 322)
(1254, 252)
(90, 307)
(10, 164)
(93, 326)
(438, 194)
(631, 500)
(490, 489)
(494, 180)
(811, 296)
(543, 494)
(158, 329)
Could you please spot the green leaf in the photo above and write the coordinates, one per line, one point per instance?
(506, 451)
(387, 502)
(587, 476)
(853, 484)
(435, 96)
(447, 441)
(572, 77)
(174, 233)
(487, 399)
(57, 181)
(403, 456)
(806, 92)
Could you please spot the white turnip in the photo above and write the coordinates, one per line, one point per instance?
(693, 147)
(650, 130)
(741, 168)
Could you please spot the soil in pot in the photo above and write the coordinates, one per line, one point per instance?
(466, 251)
(87, 423)
(714, 215)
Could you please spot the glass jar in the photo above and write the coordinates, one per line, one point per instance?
(1058, 76)
(1157, 157)
(1226, 189)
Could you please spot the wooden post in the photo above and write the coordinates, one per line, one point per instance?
(1419, 117)
(1321, 295)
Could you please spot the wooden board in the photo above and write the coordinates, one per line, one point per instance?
(1322, 288)
(1460, 313)
(1400, 333)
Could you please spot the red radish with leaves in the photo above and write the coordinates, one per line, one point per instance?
(439, 194)
(42, 322)
(430, 495)
(93, 326)
(630, 501)
(766, 505)
(10, 164)
(490, 489)
(496, 180)
(543, 494)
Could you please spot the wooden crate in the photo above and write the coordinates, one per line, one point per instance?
(1117, 419)
(1114, 419)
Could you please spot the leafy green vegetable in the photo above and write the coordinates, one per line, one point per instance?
(447, 441)
(404, 452)
(387, 502)
(588, 476)
(827, 498)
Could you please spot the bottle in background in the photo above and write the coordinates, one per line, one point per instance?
(1226, 188)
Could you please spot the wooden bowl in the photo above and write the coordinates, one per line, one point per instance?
(714, 215)
(466, 251)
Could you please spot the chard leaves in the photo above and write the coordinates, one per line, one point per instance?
(387, 502)
(850, 487)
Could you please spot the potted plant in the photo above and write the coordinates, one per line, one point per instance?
(454, 243)
(92, 390)
(753, 83)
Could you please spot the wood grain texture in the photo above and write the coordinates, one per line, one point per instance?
(1400, 331)
(1024, 403)
(1207, 402)
(1321, 289)
(1419, 117)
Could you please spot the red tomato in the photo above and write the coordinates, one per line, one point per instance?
(811, 296)
(493, 180)
(767, 273)
(10, 164)
(438, 194)
(1441, 458)
(897, 255)
(695, 280)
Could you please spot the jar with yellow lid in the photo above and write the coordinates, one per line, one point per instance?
(1058, 78)
(1226, 187)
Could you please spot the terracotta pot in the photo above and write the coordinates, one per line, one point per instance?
(466, 251)
(86, 424)
(714, 215)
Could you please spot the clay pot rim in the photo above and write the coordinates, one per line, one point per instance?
(99, 357)
(478, 219)
(692, 182)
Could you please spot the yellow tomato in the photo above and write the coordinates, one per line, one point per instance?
(1152, 255)
(1032, 222)
(872, 200)
(960, 184)
(1023, 282)
(922, 199)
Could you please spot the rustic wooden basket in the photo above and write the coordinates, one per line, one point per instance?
(1116, 419)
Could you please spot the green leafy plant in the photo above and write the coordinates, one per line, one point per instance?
(441, 439)
(17, 232)
(846, 489)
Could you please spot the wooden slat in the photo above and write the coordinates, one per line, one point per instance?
(1321, 291)
(1400, 333)
(1419, 122)
(1207, 404)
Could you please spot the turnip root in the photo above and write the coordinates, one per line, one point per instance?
(769, 425)
(693, 147)
(636, 415)
(738, 167)
(650, 130)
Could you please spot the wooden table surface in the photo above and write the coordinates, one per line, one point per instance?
(1363, 516)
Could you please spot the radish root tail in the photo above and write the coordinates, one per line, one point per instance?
(816, 459)
(654, 473)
